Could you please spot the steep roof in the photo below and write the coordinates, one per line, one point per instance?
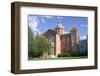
(50, 31)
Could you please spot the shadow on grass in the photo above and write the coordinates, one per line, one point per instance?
(58, 58)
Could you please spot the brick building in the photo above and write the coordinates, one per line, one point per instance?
(60, 42)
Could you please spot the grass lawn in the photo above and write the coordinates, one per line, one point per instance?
(59, 58)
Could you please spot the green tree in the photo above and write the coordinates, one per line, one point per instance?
(40, 45)
(30, 41)
(37, 45)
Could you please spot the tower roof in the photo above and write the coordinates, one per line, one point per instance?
(74, 28)
(60, 26)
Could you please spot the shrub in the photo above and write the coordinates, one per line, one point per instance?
(73, 54)
(65, 55)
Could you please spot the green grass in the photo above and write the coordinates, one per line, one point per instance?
(59, 58)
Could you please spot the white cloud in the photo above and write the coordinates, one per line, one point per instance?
(48, 17)
(59, 17)
(65, 32)
(33, 23)
(82, 37)
(83, 25)
(43, 20)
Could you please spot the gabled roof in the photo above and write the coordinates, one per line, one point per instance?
(50, 32)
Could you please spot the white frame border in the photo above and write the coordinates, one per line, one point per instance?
(25, 64)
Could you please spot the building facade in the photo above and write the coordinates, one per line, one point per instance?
(61, 42)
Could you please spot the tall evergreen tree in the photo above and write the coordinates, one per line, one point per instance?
(30, 41)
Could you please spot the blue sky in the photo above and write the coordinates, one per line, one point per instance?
(39, 23)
